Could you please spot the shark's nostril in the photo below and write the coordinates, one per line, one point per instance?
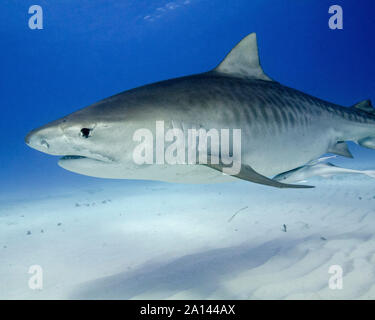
(39, 139)
(44, 143)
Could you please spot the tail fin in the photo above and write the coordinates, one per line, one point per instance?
(366, 106)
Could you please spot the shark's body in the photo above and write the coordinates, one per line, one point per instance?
(281, 128)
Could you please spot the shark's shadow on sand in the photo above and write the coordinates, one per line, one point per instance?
(201, 272)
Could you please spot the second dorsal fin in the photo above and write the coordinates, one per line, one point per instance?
(365, 106)
(243, 60)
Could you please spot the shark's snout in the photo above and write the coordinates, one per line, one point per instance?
(73, 146)
(28, 138)
(33, 139)
(40, 139)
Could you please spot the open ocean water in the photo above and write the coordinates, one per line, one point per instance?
(126, 239)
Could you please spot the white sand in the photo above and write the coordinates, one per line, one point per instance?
(168, 241)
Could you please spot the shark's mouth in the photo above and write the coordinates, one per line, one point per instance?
(89, 166)
(70, 157)
(98, 158)
(92, 157)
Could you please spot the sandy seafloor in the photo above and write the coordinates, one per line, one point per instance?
(133, 240)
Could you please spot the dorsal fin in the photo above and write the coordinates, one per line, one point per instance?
(243, 60)
(365, 106)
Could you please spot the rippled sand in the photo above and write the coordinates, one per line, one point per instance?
(165, 241)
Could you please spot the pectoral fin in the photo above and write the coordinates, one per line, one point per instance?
(249, 174)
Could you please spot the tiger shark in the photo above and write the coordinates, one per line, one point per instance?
(281, 128)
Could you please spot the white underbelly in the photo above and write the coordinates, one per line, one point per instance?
(167, 173)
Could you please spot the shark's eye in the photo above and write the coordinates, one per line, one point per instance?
(85, 132)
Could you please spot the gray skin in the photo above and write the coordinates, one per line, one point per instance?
(282, 128)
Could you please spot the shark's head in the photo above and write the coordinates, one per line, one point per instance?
(81, 139)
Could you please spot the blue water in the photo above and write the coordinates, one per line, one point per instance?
(96, 237)
(92, 49)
